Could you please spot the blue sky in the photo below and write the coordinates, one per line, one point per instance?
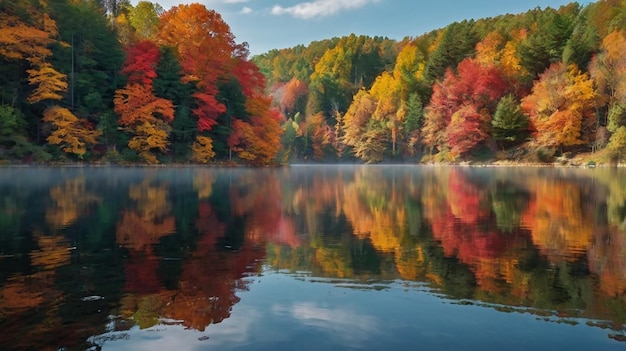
(275, 24)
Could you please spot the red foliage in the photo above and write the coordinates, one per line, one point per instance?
(472, 93)
(207, 111)
(141, 61)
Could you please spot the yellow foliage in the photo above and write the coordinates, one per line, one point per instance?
(203, 149)
(149, 136)
(203, 184)
(69, 200)
(487, 51)
(562, 106)
(72, 133)
(151, 201)
(510, 63)
(48, 81)
(333, 263)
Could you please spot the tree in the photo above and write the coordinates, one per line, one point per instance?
(293, 95)
(467, 129)
(145, 18)
(509, 124)
(546, 41)
(357, 117)
(413, 122)
(258, 139)
(561, 107)
(456, 44)
(136, 103)
(144, 114)
(168, 84)
(386, 92)
(331, 81)
(71, 133)
(49, 83)
(195, 31)
(149, 135)
(608, 70)
(475, 89)
(141, 63)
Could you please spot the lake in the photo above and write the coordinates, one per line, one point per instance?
(312, 258)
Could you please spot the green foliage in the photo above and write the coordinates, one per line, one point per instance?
(457, 43)
(545, 45)
(617, 143)
(414, 114)
(509, 124)
(616, 117)
(582, 43)
(12, 122)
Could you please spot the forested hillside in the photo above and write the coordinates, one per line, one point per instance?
(532, 86)
(105, 81)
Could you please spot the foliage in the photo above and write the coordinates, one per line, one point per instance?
(561, 107)
(474, 90)
(509, 124)
(71, 133)
(439, 91)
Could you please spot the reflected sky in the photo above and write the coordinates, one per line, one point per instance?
(322, 315)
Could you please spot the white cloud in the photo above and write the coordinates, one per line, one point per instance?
(235, 1)
(246, 10)
(319, 8)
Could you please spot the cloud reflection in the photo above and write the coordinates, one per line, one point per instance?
(341, 324)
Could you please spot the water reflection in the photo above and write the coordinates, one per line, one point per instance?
(88, 256)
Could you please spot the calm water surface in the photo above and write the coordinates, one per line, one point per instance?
(312, 258)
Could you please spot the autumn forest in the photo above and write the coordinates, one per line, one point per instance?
(105, 81)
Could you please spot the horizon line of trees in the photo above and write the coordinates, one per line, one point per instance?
(102, 80)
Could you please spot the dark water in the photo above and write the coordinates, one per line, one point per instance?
(312, 258)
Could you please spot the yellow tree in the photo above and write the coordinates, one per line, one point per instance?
(71, 133)
(561, 106)
(150, 135)
(488, 50)
(386, 92)
(494, 50)
(49, 83)
(409, 69)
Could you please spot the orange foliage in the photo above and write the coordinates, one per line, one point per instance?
(138, 233)
(23, 41)
(560, 228)
(258, 139)
(136, 103)
(561, 106)
(54, 252)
